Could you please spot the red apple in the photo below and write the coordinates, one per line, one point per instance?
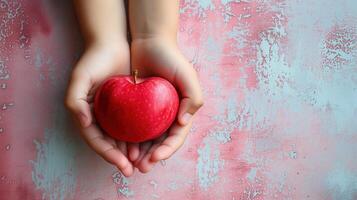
(135, 110)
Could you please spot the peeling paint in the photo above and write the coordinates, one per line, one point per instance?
(280, 88)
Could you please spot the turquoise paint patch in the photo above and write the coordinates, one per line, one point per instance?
(266, 144)
(39, 59)
(342, 183)
(328, 83)
(214, 50)
(208, 164)
(54, 169)
(206, 4)
(252, 174)
(311, 16)
(215, 78)
(232, 113)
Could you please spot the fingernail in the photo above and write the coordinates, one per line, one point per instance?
(186, 118)
(82, 119)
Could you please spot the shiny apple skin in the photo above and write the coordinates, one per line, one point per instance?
(135, 112)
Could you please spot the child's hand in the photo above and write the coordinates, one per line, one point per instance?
(160, 56)
(98, 62)
(103, 24)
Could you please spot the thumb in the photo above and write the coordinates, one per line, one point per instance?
(76, 99)
(188, 107)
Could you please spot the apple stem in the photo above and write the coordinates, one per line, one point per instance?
(135, 75)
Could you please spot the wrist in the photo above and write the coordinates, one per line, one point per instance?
(110, 46)
(162, 39)
(114, 54)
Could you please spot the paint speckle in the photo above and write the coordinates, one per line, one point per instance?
(4, 73)
(154, 184)
(5, 106)
(293, 154)
(123, 184)
(173, 186)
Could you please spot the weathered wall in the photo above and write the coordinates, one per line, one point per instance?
(280, 86)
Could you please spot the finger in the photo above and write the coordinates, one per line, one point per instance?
(144, 147)
(186, 110)
(76, 98)
(91, 107)
(146, 164)
(187, 82)
(133, 151)
(122, 147)
(115, 157)
(105, 147)
(172, 143)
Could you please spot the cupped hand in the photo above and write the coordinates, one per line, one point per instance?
(98, 62)
(160, 56)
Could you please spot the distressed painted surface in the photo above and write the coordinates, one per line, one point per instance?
(280, 86)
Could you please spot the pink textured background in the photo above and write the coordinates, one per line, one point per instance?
(279, 121)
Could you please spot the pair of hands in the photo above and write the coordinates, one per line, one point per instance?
(154, 56)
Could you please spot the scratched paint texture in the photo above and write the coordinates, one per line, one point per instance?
(279, 122)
